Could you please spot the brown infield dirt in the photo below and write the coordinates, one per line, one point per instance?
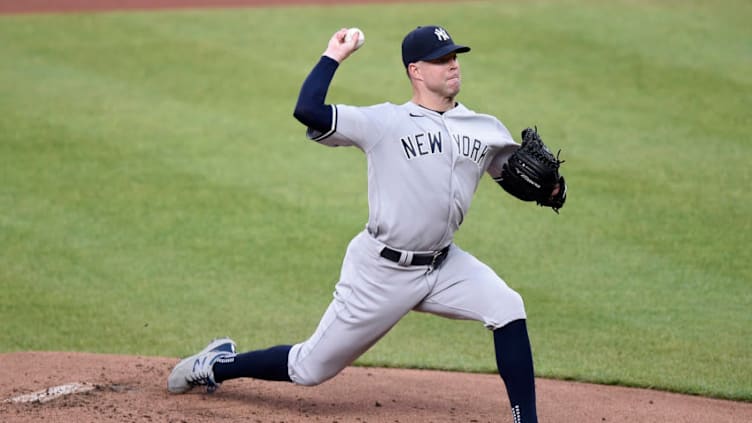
(133, 389)
(121, 388)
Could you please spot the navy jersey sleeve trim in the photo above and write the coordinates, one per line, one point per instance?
(317, 135)
(310, 109)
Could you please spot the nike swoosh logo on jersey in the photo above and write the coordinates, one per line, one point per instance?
(416, 115)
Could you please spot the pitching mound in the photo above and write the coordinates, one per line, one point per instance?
(81, 387)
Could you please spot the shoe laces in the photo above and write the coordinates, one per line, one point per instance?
(203, 372)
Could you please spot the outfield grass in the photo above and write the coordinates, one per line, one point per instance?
(156, 192)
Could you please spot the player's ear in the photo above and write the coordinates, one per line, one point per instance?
(413, 71)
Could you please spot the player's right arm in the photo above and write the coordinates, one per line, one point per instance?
(311, 109)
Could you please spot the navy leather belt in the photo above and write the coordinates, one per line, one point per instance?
(434, 260)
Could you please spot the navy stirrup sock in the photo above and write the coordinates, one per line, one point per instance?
(269, 364)
(514, 359)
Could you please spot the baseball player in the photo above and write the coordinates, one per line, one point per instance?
(425, 159)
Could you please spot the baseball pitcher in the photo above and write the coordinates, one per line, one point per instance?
(425, 159)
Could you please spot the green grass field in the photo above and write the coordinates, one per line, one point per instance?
(155, 190)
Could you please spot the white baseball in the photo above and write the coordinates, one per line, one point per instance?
(361, 36)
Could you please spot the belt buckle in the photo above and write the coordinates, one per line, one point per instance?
(436, 256)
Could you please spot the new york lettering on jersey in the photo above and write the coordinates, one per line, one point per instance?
(422, 144)
(472, 148)
(427, 143)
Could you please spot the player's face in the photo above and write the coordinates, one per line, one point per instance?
(442, 75)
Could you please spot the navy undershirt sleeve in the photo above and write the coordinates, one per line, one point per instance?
(310, 109)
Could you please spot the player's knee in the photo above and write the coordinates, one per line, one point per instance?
(518, 304)
(305, 371)
(305, 382)
(512, 308)
(310, 378)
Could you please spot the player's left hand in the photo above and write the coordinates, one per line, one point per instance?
(558, 196)
(532, 173)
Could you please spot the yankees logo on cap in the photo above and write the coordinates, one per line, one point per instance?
(428, 43)
(441, 34)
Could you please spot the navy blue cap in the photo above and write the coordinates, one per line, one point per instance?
(428, 43)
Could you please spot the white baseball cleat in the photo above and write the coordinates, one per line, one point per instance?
(198, 369)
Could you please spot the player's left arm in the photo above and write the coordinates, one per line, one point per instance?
(502, 156)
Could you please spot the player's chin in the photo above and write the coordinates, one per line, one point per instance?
(453, 86)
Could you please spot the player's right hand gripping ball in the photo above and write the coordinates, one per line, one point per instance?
(532, 172)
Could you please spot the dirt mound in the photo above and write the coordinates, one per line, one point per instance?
(133, 389)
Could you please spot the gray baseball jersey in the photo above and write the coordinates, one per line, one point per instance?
(423, 168)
